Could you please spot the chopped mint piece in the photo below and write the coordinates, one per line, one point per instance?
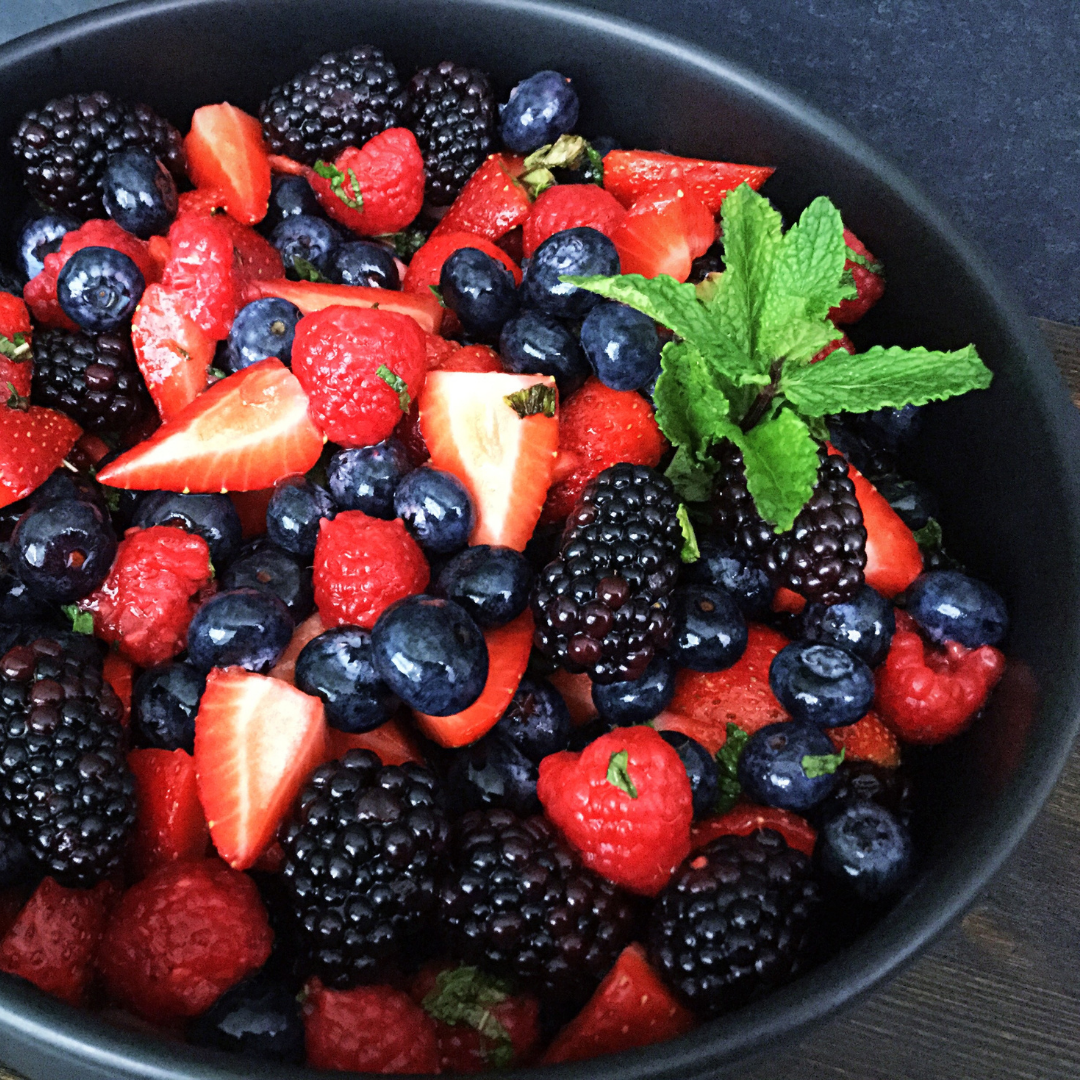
(535, 399)
(863, 261)
(111, 496)
(618, 773)
(353, 199)
(595, 164)
(215, 373)
(15, 348)
(437, 293)
(690, 550)
(307, 271)
(929, 537)
(566, 152)
(464, 997)
(815, 765)
(727, 768)
(397, 384)
(405, 243)
(82, 622)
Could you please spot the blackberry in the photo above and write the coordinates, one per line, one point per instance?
(62, 148)
(65, 787)
(736, 919)
(518, 905)
(342, 100)
(363, 854)
(452, 112)
(603, 606)
(93, 378)
(822, 556)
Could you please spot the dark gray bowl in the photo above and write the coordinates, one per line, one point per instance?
(1001, 461)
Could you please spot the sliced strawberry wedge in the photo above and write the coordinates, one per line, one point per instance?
(202, 270)
(508, 656)
(505, 460)
(491, 203)
(171, 825)
(392, 744)
(256, 741)
(311, 296)
(33, 443)
(664, 232)
(225, 153)
(893, 558)
(243, 434)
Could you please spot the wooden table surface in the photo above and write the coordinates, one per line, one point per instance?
(998, 996)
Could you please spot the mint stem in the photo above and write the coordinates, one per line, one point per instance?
(764, 399)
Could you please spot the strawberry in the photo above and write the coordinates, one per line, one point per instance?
(567, 206)
(256, 741)
(474, 358)
(245, 433)
(491, 203)
(256, 259)
(663, 232)
(279, 163)
(251, 507)
(503, 458)
(408, 434)
(746, 818)
(201, 271)
(15, 365)
(869, 278)
(508, 656)
(33, 443)
(842, 342)
(226, 155)
(867, 739)
(631, 1007)
(12, 901)
(785, 601)
(390, 742)
(285, 668)
(119, 672)
(576, 691)
(893, 559)
(171, 824)
(437, 349)
(426, 265)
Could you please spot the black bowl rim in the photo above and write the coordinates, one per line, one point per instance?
(76, 1036)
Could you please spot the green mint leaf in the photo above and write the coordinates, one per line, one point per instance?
(880, 378)
(781, 462)
(815, 765)
(867, 264)
(690, 550)
(538, 398)
(111, 496)
(16, 348)
(307, 271)
(397, 384)
(215, 373)
(16, 400)
(929, 537)
(594, 165)
(566, 152)
(692, 408)
(347, 189)
(618, 773)
(437, 293)
(405, 243)
(727, 768)
(464, 997)
(82, 622)
(692, 478)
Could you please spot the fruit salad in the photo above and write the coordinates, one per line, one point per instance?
(460, 601)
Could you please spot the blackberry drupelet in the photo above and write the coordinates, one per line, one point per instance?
(736, 919)
(65, 787)
(603, 606)
(452, 112)
(363, 854)
(93, 378)
(62, 147)
(518, 905)
(342, 100)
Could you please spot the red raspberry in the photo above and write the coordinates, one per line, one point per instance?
(426, 265)
(746, 818)
(16, 370)
(202, 270)
(362, 566)
(147, 601)
(337, 355)
(869, 281)
(567, 206)
(181, 937)
(927, 696)
(372, 1029)
(624, 804)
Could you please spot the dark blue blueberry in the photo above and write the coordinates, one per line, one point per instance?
(17, 603)
(537, 720)
(491, 583)
(248, 627)
(263, 565)
(772, 771)
(584, 734)
(637, 701)
(719, 564)
(863, 625)
(63, 550)
(700, 768)
(604, 144)
(648, 388)
(436, 509)
(951, 606)
(821, 684)
(163, 706)
(262, 329)
(41, 236)
(710, 631)
(310, 239)
(293, 515)
(622, 345)
(893, 428)
(65, 484)
(537, 344)
(581, 251)
(865, 851)
(361, 262)
(479, 290)
(290, 196)
(211, 516)
(366, 477)
(99, 289)
(541, 108)
(492, 772)
(431, 654)
(14, 861)
(258, 1018)
(913, 502)
(139, 193)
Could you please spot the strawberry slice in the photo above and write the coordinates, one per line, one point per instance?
(491, 203)
(508, 656)
(243, 434)
(256, 741)
(225, 153)
(867, 739)
(893, 559)
(425, 267)
(505, 460)
(119, 672)
(171, 824)
(202, 271)
(746, 818)
(664, 232)
(311, 296)
(390, 742)
(33, 443)
(15, 329)
(285, 668)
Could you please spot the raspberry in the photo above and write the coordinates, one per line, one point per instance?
(337, 355)
(869, 283)
(181, 937)
(146, 602)
(567, 206)
(426, 265)
(201, 269)
(362, 566)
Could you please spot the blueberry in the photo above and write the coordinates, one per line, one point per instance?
(491, 583)
(913, 502)
(863, 625)
(307, 238)
(710, 631)
(604, 144)
(263, 565)
(99, 289)
(865, 850)
(541, 108)
(360, 262)
(14, 861)
(262, 329)
(139, 193)
(211, 516)
(63, 550)
(163, 706)
(700, 768)
(951, 606)
(537, 344)
(259, 1018)
(821, 684)
(537, 720)
(622, 345)
(637, 701)
(719, 564)
(492, 772)
(431, 654)
(772, 771)
(478, 289)
(65, 484)
(248, 627)
(892, 428)
(366, 477)
(39, 237)
(573, 251)
(290, 196)
(436, 509)
(293, 515)
(17, 603)
(584, 734)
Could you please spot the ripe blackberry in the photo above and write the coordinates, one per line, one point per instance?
(518, 905)
(342, 100)
(94, 379)
(603, 605)
(452, 112)
(65, 787)
(62, 147)
(362, 857)
(736, 919)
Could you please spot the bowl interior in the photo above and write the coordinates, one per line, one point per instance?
(1000, 461)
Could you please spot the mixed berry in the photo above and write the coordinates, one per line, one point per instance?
(459, 602)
